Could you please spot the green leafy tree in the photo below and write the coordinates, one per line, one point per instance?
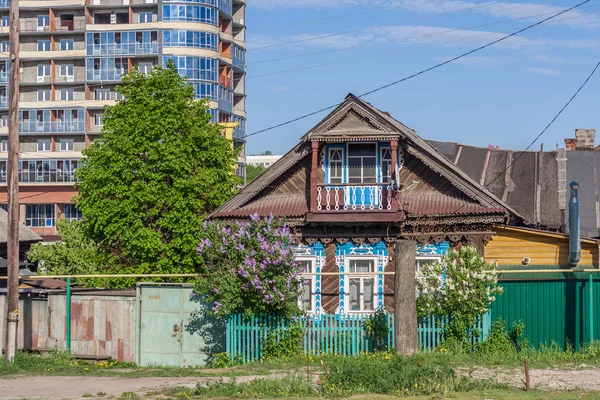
(157, 170)
(252, 172)
(462, 285)
(75, 254)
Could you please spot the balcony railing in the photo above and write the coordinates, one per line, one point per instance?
(4, 77)
(122, 49)
(238, 63)
(3, 102)
(51, 127)
(62, 26)
(4, 3)
(105, 74)
(369, 197)
(31, 176)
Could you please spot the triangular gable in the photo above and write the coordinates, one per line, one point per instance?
(355, 119)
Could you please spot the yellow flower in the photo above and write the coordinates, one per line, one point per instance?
(416, 384)
(86, 369)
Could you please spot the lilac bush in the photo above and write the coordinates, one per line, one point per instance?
(250, 268)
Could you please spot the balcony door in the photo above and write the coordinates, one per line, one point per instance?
(362, 175)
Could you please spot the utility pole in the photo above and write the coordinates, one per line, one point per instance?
(13, 185)
(405, 299)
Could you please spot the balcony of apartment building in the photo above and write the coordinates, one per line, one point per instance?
(48, 121)
(239, 13)
(226, 7)
(225, 99)
(44, 171)
(106, 68)
(239, 132)
(113, 3)
(4, 71)
(225, 29)
(238, 57)
(122, 43)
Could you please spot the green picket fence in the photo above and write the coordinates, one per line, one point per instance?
(329, 334)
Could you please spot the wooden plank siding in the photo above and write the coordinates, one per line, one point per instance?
(388, 280)
(330, 283)
(510, 246)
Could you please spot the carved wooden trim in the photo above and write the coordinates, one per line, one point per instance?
(358, 240)
(374, 240)
(342, 240)
(326, 241)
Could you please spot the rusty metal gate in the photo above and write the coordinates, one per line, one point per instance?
(174, 329)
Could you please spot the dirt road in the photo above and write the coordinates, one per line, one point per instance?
(77, 387)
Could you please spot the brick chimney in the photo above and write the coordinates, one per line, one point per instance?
(584, 140)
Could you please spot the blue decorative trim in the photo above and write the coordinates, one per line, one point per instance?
(436, 249)
(317, 251)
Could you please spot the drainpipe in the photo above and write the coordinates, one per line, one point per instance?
(574, 231)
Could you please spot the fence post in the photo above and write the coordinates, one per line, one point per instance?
(591, 307)
(486, 324)
(68, 316)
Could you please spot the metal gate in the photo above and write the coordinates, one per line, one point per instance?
(174, 329)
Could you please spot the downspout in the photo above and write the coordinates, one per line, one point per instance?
(574, 226)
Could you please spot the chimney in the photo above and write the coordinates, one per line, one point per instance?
(584, 140)
(571, 144)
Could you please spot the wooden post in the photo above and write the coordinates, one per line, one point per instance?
(394, 151)
(405, 300)
(313, 176)
(526, 375)
(13, 186)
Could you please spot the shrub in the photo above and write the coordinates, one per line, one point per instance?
(377, 328)
(283, 344)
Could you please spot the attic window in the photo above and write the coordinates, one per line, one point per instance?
(362, 163)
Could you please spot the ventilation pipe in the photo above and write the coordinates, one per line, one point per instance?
(574, 231)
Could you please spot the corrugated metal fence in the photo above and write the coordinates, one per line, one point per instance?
(330, 334)
(101, 326)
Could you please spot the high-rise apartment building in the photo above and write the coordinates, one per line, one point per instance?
(73, 54)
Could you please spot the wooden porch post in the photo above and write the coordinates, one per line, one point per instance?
(313, 176)
(394, 148)
(405, 299)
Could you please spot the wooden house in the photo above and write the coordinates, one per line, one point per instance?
(354, 184)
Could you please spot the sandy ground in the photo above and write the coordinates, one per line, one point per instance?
(75, 387)
(56, 387)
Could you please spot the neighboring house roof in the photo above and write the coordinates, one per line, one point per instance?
(25, 234)
(443, 189)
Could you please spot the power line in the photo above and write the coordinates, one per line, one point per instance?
(368, 27)
(403, 50)
(422, 71)
(537, 137)
(411, 37)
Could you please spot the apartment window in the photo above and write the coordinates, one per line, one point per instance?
(362, 163)
(4, 146)
(102, 94)
(4, 46)
(5, 20)
(361, 289)
(43, 145)
(66, 44)
(207, 15)
(146, 16)
(306, 301)
(201, 40)
(72, 213)
(39, 215)
(99, 119)
(43, 95)
(43, 22)
(43, 45)
(66, 70)
(43, 71)
(336, 166)
(66, 144)
(67, 94)
(122, 18)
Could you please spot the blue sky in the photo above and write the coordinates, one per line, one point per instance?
(504, 95)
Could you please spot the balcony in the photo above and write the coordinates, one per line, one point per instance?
(68, 25)
(122, 49)
(4, 3)
(238, 63)
(52, 127)
(226, 7)
(105, 74)
(32, 176)
(4, 76)
(348, 197)
(3, 102)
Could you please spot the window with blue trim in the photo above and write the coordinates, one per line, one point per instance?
(200, 40)
(180, 12)
(207, 2)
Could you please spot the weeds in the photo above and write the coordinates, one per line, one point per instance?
(291, 386)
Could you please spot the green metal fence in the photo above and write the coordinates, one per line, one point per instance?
(328, 334)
